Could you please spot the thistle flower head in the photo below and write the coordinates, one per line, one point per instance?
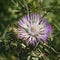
(33, 28)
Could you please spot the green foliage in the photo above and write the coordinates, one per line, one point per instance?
(11, 48)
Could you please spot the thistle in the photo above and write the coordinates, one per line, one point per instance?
(33, 28)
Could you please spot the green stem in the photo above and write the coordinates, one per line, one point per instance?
(3, 36)
(25, 3)
(52, 49)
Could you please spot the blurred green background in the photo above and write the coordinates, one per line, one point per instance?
(11, 48)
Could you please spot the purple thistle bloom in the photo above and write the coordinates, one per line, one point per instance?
(33, 28)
